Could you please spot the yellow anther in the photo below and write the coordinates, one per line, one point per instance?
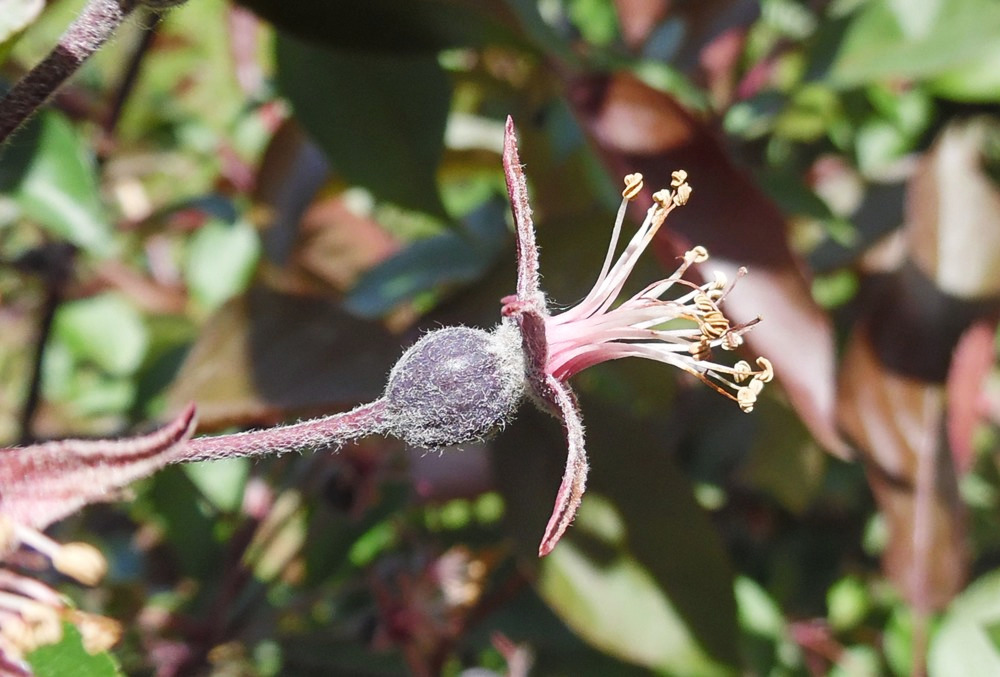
(702, 350)
(697, 255)
(99, 633)
(633, 185)
(746, 398)
(682, 194)
(81, 561)
(719, 280)
(703, 302)
(766, 370)
(714, 324)
(742, 371)
(732, 341)
(663, 198)
(678, 177)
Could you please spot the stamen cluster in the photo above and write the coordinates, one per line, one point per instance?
(682, 331)
(32, 613)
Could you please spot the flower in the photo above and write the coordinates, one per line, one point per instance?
(596, 330)
(41, 484)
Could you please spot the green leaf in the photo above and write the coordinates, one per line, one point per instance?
(916, 18)
(641, 573)
(766, 641)
(379, 118)
(50, 173)
(848, 602)
(221, 482)
(897, 641)
(596, 20)
(785, 463)
(857, 661)
(106, 330)
(188, 525)
(15, 16)
(417, 26)
(759, 614)
(68, 658)
(221, 258)
(452, 257)
(977, 80)
(616, 604)
(877, 47)
(963, 643)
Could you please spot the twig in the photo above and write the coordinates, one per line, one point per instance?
(131, 75)
(84, 36)
(55, 265)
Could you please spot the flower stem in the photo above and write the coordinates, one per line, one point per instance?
(328, 431)
(84, 36)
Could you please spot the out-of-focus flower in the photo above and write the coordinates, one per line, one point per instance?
(41, 484)
(681, 331)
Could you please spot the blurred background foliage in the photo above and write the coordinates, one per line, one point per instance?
(257, 205)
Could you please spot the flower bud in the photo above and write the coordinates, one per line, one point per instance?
(456, 385)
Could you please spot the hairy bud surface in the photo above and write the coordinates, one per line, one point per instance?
(456, 385)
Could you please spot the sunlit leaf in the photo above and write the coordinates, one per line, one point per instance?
(68, 658)
(221, 482)
(220, 260)
(50, 173)
(106, 330)
(15, 16)
(964, 644)
(877, 46)
(952, 208)
(636, 547)
(976, 81)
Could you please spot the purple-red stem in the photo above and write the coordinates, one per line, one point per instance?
(84, 36)
(328, 431)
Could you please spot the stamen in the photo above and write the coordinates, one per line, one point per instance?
(702, 350)
(633, 186)
(682, 195)
(697, 255)
(81, 561)
(746, 398)
(31, 624)
(663, 198)
(99, 633)
(742, 371)
(766, 370)
(732, 340)
(603, 328)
